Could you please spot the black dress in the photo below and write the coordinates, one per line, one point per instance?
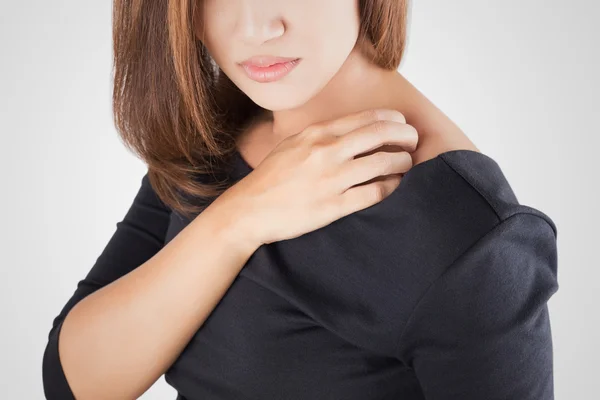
(437, 292)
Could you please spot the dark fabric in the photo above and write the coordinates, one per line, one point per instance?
(437, 292)
(136, 239)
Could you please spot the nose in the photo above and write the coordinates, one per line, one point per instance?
(257, 24)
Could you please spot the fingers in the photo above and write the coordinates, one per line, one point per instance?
(370, 167)
(374, 135)
(353, 121)
(360, 197)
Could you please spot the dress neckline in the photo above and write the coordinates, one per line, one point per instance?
(242, 163)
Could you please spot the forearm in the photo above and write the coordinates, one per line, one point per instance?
(119, 340)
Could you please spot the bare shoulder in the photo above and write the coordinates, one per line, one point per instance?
(431, 148)
(438, 133)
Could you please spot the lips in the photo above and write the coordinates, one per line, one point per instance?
(266, 61)
(265, 69)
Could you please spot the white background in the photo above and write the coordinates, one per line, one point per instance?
(519, 77)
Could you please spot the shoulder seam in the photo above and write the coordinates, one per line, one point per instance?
(518, 209)
(487, 200)
(449, 267)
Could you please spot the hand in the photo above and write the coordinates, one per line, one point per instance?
(321, 174)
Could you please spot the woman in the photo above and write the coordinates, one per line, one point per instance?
(309, 227)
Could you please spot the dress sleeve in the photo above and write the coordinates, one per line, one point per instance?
(482, 328)
(137, 238)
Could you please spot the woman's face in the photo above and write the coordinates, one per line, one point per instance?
(322, 33)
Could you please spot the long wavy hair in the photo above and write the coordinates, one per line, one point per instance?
(175, 109)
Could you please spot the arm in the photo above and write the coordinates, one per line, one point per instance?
(482, 329)
(141, 302)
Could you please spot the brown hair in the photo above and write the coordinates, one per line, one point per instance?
(174, 109)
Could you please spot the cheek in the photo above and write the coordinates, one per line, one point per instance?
(211, 26)
(332, 46)
(217, 44)
(214, 48)
(332, 31)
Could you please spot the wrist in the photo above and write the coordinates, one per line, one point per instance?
(235, 225)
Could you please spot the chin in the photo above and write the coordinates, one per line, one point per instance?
(284, 97)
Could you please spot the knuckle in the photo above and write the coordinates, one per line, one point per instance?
(380, 126)
(343, 205)
(386, 114)
(414, 136)
(381, 160)
(402, 163)
(408, 158)
(373, 114)
(399, 117)
(377, 191)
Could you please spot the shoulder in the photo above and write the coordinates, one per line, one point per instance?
(484, 287)
(458, 192)
(372, 267)
(485, 176)
(481, 306)
(441, 209)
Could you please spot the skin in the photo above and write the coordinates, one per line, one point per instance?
(333, 79)
(125, 329)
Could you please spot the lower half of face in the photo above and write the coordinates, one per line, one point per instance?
(320, 34)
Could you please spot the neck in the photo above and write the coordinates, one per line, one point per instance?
(358, 85)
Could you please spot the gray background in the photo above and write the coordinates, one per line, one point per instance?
(519, 77)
